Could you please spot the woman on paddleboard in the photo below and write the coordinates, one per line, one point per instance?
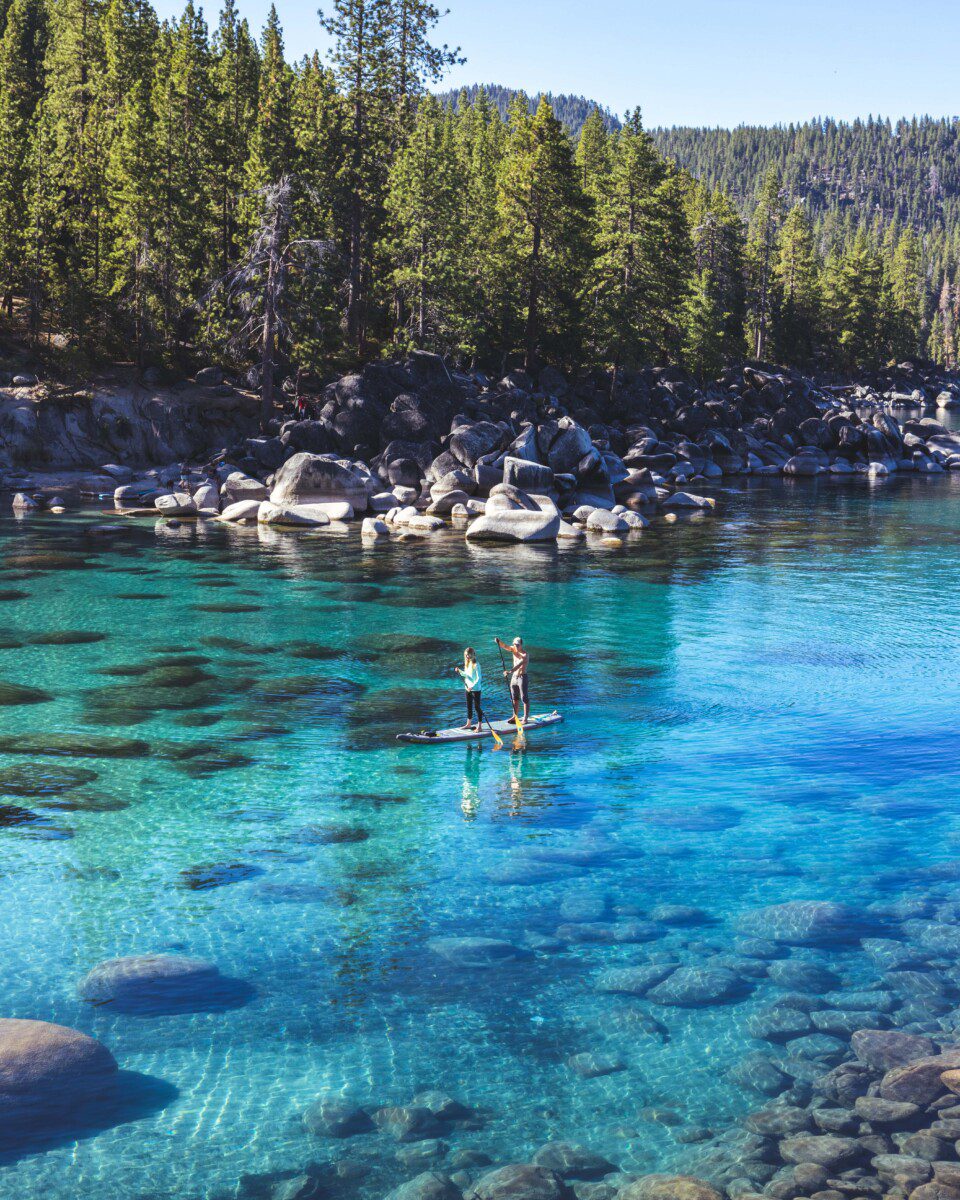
(470, 674)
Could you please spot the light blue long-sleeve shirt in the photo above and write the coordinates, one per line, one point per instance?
(472, 677)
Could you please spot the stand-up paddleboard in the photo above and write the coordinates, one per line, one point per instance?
(504, 728)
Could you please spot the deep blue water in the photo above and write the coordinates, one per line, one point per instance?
(759, 706)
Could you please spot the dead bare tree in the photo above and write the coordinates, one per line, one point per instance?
(258, 286)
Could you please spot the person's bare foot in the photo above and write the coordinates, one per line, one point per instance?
(467, 726)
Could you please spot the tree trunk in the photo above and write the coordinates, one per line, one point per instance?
(269, 342)
(532, 333)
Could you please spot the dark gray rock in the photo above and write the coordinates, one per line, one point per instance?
(885, 1049)
(431, 1185)
(520, 1181)
(334, 1117)
(804, 923)
(695, 986)
(407, 1123)
(884, 1112)
(822, 1149)
(570, 1161)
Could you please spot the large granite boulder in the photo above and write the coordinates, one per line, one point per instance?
(516, 518)
(47, 1069)
(320, 479)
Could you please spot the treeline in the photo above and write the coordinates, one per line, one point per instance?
(166, 191)
(872, 175)
(571, 111)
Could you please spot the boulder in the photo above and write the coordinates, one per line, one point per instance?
(530, 476)
(693, 986)
(310, 479)
(570, 1161)
(176, 504)
(476, 951)
(884, 1049)
(919, 1082)
(803, 923)
(524, 1181)
(469, 443)
(430, 1185)
(407, 1123)
(241, 510)
(823, 1149)
(269, 513)
(669, 1187)
(146, 983)
(884, 1112)
(601, 521)
(334, 1117)
(373, 528)
(207, 497)
(681, 500)
(516, 525)
(48, 1070)
(237, 487)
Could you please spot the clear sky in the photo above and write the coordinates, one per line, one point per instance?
(702, 62)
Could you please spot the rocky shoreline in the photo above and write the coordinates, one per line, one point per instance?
(412, 448)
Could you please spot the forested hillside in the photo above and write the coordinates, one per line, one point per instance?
(571, 111)
(168, 192)
(873, 173)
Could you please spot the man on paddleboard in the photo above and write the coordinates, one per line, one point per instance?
(519, 687)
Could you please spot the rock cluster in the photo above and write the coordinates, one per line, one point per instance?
(416, 446)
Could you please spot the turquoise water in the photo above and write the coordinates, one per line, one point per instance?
(760, 706)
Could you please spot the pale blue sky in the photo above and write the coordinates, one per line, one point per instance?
(704, 62)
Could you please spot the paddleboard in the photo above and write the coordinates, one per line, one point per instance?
(504, 728)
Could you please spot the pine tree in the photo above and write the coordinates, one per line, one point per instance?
(593, 155)
(235, 85)
(795, 323)
(272, 147)
(130, 34)
(644, 262)
(186, 240)
(70, 203)
(703, 323)
(858, 304)
(22, 51)
(907, 288)
(761, 258)
(362, 33)
(416, 60)
(424, 204)
(543, 213)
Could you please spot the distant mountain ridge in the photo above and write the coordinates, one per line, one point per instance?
(571, 110)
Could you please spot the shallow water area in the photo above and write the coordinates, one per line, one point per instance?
(759, 707)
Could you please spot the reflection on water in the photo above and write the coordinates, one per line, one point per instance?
(760, 707)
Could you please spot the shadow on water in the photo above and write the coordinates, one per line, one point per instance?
(134, 1097)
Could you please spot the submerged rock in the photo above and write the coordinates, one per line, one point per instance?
(431, 1185)
(213, 875)
(150, 984)
(885, 1049)
(570, 1161)
(804, 923)
(590, 1065)
(43, 779)
(407, 1123)
(694, 986)
(524, 1181)
(49, 1070)
(334, 1117)
(669, 1187)
(476, 951)
(13, 694)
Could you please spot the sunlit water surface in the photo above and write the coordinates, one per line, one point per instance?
(759, 706)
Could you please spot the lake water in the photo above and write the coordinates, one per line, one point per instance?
(759, 706)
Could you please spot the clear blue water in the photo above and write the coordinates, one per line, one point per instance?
(760, 706)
